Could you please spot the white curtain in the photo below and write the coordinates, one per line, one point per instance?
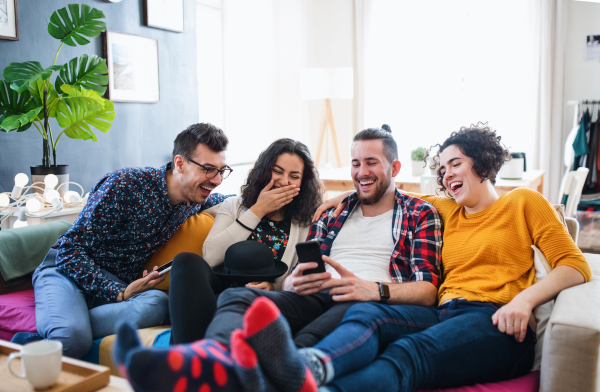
(550, 132)
(430, 67)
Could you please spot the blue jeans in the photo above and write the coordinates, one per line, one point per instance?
(380, 347)
(66, 313)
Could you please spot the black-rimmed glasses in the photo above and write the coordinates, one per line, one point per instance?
(211, 172)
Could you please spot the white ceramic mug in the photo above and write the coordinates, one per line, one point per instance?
(41, 363)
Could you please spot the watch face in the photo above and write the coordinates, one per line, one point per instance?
(384, 291)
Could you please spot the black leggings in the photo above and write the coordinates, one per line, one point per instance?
(193, 292)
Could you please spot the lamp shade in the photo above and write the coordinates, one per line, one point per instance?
(323, 83)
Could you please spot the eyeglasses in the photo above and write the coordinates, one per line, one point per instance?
(211, 172)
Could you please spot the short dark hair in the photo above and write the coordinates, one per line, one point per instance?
(302, 208)
(480, 143)
(201, 133)
(390, 148)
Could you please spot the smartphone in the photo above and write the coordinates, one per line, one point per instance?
(310, 251)
(163, 269)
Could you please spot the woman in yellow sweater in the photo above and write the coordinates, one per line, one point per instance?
(479, 332)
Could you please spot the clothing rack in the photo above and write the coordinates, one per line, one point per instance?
(582, 105)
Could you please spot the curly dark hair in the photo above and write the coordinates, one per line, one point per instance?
(480, 143)
(300, 211)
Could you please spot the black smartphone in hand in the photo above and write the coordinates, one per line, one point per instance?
(163, 269)
(310, 251)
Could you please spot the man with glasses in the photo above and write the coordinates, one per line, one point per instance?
(88, 283)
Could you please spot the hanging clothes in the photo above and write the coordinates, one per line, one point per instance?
(592, 160)
(580, 145)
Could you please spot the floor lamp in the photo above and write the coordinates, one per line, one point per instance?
(327, 84)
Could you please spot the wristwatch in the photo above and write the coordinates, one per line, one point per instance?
(384, 292)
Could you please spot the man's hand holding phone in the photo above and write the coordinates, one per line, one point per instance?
(305, 284)
(146, 283)
(350, 287)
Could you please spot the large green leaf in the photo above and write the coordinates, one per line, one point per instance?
(16, 110)
(87, 71)
(72, 28)
(91, 100)
(20, 75)
(37, 93)
(78, 121)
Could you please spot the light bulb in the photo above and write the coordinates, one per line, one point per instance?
(20, 224)
(51, 194)
(33, 205)
(21, 179)
(51, 181)
(22, 219)
(56, 203)
(71, 197)
(4, 200)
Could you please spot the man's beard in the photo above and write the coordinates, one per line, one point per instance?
(190, 192)
(381, 187)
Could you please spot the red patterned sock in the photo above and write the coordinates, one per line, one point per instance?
(266, 331)
(201, 366)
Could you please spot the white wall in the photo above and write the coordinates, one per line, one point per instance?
(582, 78)
(330, 45)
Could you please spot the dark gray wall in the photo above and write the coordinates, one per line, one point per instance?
(142, 134)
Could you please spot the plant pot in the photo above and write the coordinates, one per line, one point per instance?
(418, 168)
(39, 173)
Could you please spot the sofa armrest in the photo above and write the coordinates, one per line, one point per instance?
(571, 352)
(573, 227)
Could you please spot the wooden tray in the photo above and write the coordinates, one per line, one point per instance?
(76, 376)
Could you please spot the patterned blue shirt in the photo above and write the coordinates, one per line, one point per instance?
(127, 218)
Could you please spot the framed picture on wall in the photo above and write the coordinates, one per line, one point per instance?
(164, 14)
(132, 67)
(9, 20)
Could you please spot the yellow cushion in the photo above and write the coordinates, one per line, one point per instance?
(188, 238)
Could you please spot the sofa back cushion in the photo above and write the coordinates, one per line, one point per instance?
(188, 238)
(23, 249)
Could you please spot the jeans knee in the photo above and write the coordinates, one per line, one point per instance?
(76, 340)
(236, 296)
(364, 312)
(153, 307)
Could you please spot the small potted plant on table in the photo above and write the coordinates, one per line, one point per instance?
(418, 161)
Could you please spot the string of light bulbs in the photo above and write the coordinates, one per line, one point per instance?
(26, 201)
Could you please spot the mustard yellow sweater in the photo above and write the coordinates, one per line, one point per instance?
(487, 256)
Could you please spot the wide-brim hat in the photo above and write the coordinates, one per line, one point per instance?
(250, 261)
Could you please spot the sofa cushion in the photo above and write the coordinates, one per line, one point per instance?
(528, 383)
(22, 250)
(188, 238)
(542, 312)
(571, 352)
(17, 313)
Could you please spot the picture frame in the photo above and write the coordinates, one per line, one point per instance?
(133, 72)
(9, 20)
(164, 14)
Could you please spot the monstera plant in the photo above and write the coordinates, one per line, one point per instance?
(29, 97)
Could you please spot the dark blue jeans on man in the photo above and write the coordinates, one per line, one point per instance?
(380, 347)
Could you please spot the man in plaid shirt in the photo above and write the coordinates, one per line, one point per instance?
(366, 261)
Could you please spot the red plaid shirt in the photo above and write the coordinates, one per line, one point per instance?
(416, 230)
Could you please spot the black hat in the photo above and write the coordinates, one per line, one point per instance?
(250, 261)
